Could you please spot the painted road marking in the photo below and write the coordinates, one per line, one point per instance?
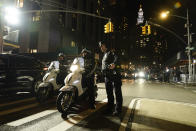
(70, 122)
(16, 102)
(125, 120)
(18, 109)
(170, 101)
(194, 91)
(31, 118)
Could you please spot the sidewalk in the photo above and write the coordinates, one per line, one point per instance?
(185, 85)
(159, 115)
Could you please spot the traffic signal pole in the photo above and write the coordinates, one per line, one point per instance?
(68, 11)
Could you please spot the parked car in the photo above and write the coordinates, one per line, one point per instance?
(19, 73)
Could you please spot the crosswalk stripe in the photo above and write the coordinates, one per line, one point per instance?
(76, 119)
(125, 120)
(18, 109)
(16, 102)
(31, 118)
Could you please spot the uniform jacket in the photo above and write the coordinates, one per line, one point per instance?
(110, 58)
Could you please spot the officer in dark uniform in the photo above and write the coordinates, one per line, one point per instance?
(111, 72)
(88, 75)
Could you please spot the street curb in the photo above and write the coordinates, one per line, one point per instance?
(184, 85)
(144, 116)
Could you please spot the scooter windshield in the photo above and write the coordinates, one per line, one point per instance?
(79, 61)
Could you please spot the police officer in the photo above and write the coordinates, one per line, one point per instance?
(110, 69)
(88, 75)
(59, 64)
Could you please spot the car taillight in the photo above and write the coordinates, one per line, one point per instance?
(45, 68)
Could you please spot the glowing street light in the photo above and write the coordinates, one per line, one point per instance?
(164, 14)
(12, 15)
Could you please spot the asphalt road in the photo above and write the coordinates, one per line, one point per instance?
(21, 112)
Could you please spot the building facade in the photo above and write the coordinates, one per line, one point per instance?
(42, 32)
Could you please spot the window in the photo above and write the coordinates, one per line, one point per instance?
(84, 5)
(74, 22)
(19, 3)
(83, 23)
(73, 44)
(75, 4)
(33, 44)
(99, 3)
(36, 16)
(33, 51)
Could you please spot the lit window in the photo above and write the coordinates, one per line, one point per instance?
(73, 44)
(33, 51)
(37, 16)
(19, 3)
(98, 12)
(99, 2)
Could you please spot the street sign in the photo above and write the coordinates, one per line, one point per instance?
(190, 48)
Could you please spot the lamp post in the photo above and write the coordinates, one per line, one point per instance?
(187, 25)
(11, 16)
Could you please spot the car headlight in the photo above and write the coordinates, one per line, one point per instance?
(141, 74)
(74, 68)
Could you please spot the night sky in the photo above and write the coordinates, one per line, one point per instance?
(152, 9)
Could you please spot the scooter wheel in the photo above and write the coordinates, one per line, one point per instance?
(42, 95)
(64, 101)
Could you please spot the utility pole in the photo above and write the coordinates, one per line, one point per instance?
(189, 47)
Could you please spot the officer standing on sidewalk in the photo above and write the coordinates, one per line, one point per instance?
(112, 76)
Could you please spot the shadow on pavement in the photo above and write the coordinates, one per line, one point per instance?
(100, 121)
(145, 122)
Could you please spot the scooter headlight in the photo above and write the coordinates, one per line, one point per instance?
(74, 68)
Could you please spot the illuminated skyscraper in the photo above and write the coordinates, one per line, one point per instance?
(140, 19)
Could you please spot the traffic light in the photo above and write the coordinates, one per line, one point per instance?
(111, 27)
(107, 28)
(149, 30)
(143, 30)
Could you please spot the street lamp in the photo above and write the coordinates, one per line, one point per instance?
(164, 14)
(187, 25)
(10, 15)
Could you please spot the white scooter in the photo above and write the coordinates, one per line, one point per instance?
(72, 90)
(48, 86)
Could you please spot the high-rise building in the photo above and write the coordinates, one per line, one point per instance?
(150, 47)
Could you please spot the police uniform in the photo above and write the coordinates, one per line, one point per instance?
(112, 81)
(88, 78)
